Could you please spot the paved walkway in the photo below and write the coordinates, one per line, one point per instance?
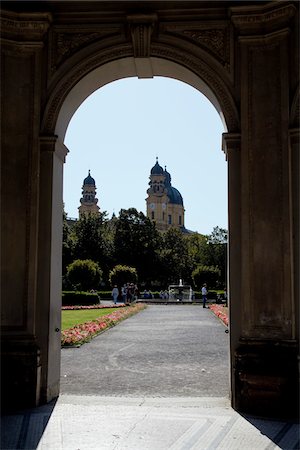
(157, 381)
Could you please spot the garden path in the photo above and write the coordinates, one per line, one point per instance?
(164, 351)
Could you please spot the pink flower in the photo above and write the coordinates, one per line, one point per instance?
(219, 311)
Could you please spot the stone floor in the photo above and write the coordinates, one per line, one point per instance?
(117, 423)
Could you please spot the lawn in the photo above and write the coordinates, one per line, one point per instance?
(80, 326)
(71, 318)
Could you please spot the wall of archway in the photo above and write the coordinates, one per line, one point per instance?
(125, 68)
(238, 55)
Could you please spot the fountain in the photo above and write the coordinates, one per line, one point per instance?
(180, 292)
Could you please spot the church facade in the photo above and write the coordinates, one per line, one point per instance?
(164, 202)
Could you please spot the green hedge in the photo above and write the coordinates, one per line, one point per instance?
(72, 298)
(105, 295)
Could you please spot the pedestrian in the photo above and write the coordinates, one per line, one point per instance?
(129, 292)
(115, 293)
(204, 294)
(124, 293)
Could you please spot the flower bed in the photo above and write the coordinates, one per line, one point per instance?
(221, 312)
(76, 307)
(84, 332)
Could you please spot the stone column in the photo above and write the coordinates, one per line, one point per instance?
(52, 156)
(265, 359)
(21, 62)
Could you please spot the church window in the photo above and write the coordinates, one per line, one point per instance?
(179, 220)
(163, 216)
(169, 219)
(152, 215)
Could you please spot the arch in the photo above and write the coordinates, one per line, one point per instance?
(77, 82)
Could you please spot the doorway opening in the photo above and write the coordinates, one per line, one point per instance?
(105, 130)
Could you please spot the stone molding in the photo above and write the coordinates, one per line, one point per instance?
(66, 41)
(205, 72)
(53, 144)
(31, 26)
(262, 18)
(231, 142)
(141, 27)
(213, 36)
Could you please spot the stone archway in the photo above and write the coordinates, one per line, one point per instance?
(237, 55)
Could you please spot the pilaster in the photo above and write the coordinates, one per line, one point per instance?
(21, 61)
(52, 154)
(265, 355)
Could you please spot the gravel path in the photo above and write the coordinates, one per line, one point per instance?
(163, 351)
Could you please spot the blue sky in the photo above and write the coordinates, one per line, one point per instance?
(118, 132)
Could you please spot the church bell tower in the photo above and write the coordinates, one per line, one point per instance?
(88, 200)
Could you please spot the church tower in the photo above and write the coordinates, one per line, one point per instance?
(164, 202)
(88, 200)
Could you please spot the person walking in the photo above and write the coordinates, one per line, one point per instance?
(204, 294)
(115, 293)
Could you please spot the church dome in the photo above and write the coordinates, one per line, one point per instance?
(157, 169)
(174, 196)
(89, 179)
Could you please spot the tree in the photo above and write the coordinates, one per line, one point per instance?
(197, 247)
(217, 246)
(206, 274)
(68, 245)
(84, 274)
(175, 260)
(120, 275)
(218, 236)
(210, 250)
(137, 242)
(93, 240)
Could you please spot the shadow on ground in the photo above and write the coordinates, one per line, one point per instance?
(24, 429)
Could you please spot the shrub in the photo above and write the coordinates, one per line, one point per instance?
(206, 274)
(84, 274)
(120, 275)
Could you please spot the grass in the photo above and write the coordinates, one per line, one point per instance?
(71, 318)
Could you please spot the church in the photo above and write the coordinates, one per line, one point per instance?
(164, 201)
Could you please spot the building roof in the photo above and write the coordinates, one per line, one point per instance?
(89, 180)
(157, 169)
(174, 195)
